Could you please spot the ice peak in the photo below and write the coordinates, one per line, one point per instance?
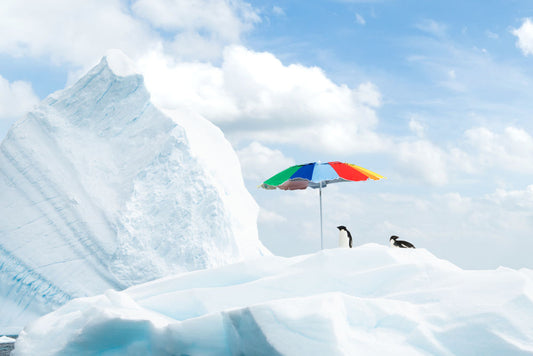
(120, 63)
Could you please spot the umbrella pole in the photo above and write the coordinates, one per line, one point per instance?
(321, 231)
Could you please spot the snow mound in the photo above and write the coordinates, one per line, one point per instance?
(101, 189)
(370, 300)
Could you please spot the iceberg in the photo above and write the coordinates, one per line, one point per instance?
(369, 300)
(102, 189)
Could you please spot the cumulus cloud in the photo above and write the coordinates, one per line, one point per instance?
(480, 149)
(511, 149)
(421, 158)
(254, 96)
(201, 28)
(16, 99)
(260, 162)
(517, 200)
(79, 32)
(75, 32)
(226, 19)
(525, 36)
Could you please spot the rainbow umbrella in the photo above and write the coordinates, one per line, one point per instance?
(318, 175)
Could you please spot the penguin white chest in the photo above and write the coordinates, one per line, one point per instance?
(344, 240)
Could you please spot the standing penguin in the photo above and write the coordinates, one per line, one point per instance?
(394, 242)
(345, 238)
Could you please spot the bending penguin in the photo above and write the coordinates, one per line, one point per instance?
(345, 238)
(394, 242)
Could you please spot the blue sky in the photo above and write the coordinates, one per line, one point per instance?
(434, 95)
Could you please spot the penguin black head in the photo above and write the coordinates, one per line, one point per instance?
(347, 234)
(394, 242)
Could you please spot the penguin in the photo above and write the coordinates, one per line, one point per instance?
(345, 238)
(394, 242)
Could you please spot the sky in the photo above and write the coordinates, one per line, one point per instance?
(434, 95)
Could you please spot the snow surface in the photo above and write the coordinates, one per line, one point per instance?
(100, 189)
(6, 339)
(369, 300)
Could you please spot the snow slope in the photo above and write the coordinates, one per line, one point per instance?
(370, 300)
(101, 189)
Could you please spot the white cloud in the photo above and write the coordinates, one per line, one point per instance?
(452, 74)
(480, 149)
(224, 19)
(525, 36)
(492, 35)
(16, 99)
(416, 127)
(432, 27)
(76, 32)
(269, 217)
(80, 32)
(297, 104)
(360, 19)
(192, 45)
(515, 200)
(278, 11)
(423, 159)
(201, 28)
(260, 162)
(254, 96)
(510, 150)
(195, 86)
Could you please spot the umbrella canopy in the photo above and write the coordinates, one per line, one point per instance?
(318, 175)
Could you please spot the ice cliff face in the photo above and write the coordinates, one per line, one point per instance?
(100, 189)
